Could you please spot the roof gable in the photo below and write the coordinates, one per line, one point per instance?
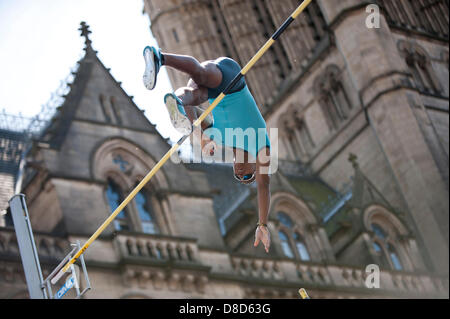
(95, 96)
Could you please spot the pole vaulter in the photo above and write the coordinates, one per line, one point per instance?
(195, 124)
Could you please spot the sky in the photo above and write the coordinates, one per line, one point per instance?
(40, 43)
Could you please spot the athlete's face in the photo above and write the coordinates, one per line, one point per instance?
(244, 172)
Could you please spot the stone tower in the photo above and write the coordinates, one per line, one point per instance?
(209, 29)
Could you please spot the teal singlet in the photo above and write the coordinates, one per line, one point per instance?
(238, 123)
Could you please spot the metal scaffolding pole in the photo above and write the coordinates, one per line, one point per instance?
(27, 247)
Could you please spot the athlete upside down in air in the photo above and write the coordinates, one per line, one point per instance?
(237, 110)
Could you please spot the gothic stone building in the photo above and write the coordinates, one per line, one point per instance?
(362, 118)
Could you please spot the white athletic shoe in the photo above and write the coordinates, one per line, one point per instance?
(177, 114)
(152, 57)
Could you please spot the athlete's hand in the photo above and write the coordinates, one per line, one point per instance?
(262, 234)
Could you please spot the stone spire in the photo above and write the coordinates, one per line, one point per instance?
(84, 28)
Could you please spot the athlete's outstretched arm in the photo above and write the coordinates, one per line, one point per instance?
(263, 180)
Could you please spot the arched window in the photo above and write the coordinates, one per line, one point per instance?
(105, 109)
(301, 247)
(420, 67)
(385, 249)
(306, 140)
(285, 245)
(146, 213)
(289, 138)
(292, 243)
(109, 109)
(115, 198)
(121, 165)
(296, 136)
(332, 96)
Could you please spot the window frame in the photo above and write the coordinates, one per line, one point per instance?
(290, 232)
(126, 211)
(147, 194)
(384, 244)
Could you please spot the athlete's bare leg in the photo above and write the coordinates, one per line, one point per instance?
(202, 76)
(205, 74)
